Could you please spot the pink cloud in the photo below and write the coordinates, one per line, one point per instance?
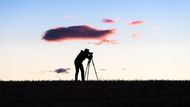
(109, 21)
(135, 23)
(103, 41)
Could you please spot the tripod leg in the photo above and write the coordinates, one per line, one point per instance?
(88, 71)
(95, 69)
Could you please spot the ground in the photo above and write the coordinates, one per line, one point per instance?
(94, 93)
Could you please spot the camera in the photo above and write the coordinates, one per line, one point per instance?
(90, 55)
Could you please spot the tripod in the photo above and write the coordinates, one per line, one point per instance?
(86, 75)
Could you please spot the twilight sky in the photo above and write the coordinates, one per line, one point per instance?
(131, 39)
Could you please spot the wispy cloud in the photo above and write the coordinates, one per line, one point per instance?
(123, 69)
(102, 69)
(136, 35)
(135, 23)
(104, 41)
(109, 21)
(82, 32)
(59, 70)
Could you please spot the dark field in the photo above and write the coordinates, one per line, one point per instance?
(95, 93)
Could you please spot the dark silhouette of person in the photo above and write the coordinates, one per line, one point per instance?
(78, 63)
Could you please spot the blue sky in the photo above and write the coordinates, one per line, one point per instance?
(160, 52)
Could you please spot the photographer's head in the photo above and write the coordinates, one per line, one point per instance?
(86, 50)
(89, 54)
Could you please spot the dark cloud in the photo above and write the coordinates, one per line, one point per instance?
(62, 70)
(81, 32)
(110, 21)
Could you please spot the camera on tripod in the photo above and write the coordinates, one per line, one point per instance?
(90, 55)
(90, 59)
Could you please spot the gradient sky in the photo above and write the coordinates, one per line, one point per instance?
(157, 48)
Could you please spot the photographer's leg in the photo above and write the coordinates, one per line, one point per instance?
(76, 73)
(82, 72)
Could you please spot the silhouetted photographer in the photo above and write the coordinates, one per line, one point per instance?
(78, 62)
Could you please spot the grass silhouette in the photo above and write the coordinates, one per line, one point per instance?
(94, 93)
